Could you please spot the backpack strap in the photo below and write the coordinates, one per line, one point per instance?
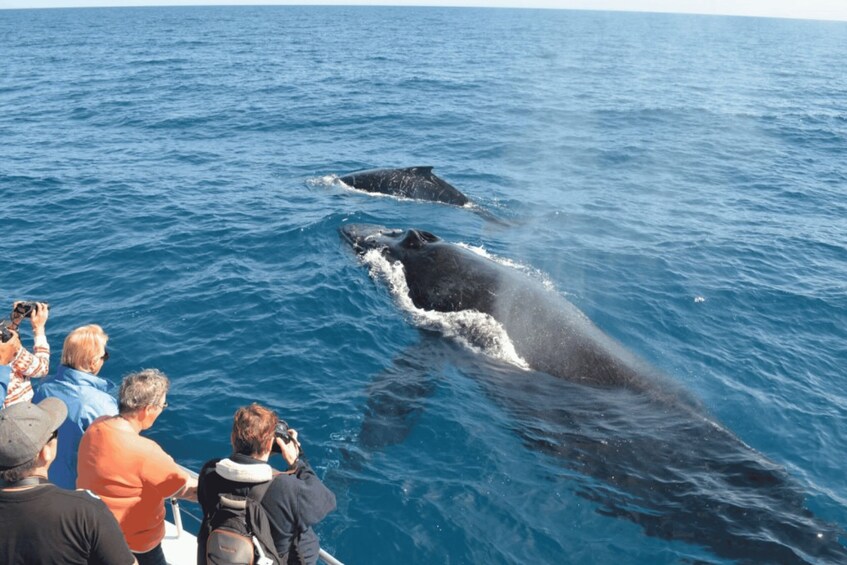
(232, 503)
(259, 523)
(257, 492)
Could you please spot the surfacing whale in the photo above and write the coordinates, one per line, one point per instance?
(418, 183)
(548, 332)
(662, 462)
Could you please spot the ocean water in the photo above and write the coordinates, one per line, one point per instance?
(171, 174)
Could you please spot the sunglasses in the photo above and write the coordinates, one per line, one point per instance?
(105, 356)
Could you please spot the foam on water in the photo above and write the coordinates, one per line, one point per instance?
(475, 330)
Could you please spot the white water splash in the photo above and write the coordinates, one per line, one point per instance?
(475, 330)
(325, 181)
(529, 271)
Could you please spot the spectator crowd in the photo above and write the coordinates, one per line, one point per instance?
(80, 484)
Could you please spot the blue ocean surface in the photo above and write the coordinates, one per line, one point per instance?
(172, 174)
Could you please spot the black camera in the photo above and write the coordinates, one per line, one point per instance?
(25, 309)
(281, 431)
(19, 312)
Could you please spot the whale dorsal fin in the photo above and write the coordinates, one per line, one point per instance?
(415, 239)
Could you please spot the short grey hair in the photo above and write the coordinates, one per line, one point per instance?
(144, 388)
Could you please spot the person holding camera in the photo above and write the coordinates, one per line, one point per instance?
(294, 500)
(87, 395)
(26, 365)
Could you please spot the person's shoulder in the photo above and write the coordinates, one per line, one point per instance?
(101, 402)
(44, 388)
(284, 482)
(150, 447)
(87, 506)
(83, 498)
(150, 455)
(211, 462)
(101, 422)
(209, 466)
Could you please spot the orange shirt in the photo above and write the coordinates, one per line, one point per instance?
(133, 476)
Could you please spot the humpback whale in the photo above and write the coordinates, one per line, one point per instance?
(418, 183)
(548, 332)
(648, 451)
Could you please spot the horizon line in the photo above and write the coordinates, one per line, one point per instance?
(496, 4)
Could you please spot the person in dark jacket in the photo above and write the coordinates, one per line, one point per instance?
(294, 501)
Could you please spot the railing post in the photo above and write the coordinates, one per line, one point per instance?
(328, 559)
(177, 516)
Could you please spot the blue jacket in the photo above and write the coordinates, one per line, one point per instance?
(5, 375)
(88, 397)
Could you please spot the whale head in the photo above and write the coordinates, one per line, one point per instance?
(393, 242)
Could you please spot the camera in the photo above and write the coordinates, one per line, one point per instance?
(25, 309)
(21, 310)
(281, 431)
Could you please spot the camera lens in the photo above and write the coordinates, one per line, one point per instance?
(281, 431)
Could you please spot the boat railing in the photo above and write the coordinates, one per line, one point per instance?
(324, 555)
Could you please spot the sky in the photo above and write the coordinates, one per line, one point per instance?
(804, 9)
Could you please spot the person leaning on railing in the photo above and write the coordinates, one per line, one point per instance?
(26, 365)
(40, 522)
(131, 473)
(86, 394)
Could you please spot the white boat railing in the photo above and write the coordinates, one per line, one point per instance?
(324, 555)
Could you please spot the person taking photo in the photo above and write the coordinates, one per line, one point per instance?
(294, 501)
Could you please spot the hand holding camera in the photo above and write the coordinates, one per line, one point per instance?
(285, 442)
(37, 312)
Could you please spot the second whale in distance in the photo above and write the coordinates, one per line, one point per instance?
(418, 183)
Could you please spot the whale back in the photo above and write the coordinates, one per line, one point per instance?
(418, 183)
(549, 332)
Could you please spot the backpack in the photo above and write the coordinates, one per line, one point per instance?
(240, 532)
